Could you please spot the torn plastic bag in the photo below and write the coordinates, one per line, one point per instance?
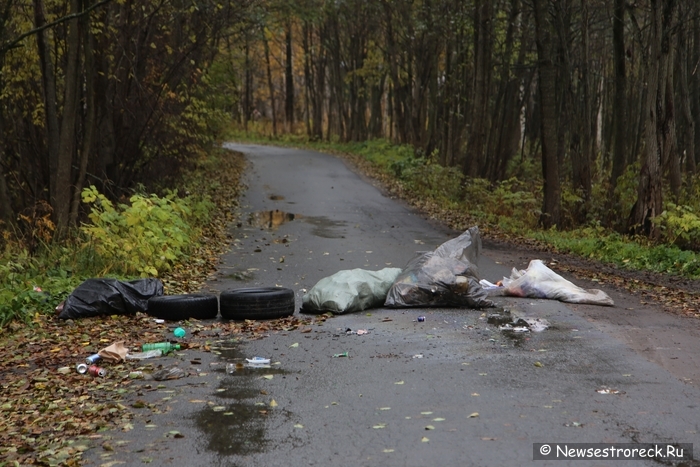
(447, 276)
(349, 291)
(538, 281)
(96, 297)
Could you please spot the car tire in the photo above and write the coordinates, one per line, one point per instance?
(257, 303)
(185, 306)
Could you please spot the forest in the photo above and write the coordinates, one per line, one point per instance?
(597, 100)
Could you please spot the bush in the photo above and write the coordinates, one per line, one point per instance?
(141, 238)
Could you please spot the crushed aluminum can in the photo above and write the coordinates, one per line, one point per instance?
(421, 319)
(95, 370)
(81, 368)
(92, 359)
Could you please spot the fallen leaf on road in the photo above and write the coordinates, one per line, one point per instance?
(474, 415)
(298, 425)
(294, 345)
(539, 364)
(388, 450)
(399, 382)
(438, 419)
(424, 440)
(268, 376)
(379, 426)
(429, 427)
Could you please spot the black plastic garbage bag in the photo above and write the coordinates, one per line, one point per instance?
(96, 297)
(445, 277)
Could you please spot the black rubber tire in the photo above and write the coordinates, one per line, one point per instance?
(257, 303)
(185, 306)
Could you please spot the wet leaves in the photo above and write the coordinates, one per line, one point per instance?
(47, 408)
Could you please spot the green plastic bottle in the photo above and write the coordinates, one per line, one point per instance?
(165, 347)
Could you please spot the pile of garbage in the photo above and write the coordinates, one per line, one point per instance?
(118, 352)
(445, 277)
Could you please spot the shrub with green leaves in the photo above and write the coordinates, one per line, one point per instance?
(680, 225)
(142, 238)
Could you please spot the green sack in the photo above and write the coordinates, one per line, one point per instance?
(349, 291)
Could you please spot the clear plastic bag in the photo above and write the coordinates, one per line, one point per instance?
(172, 372)
(446, 276)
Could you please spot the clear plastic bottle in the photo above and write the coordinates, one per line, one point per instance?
(165, 347)
(144, 355)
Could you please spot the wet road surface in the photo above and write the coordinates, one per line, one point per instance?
(452, 390)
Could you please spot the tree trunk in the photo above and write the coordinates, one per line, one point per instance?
(684, 100)
(620, 106)
(478, 135)
(89, 123)
(48, 80)
(649, 191)
(270, 86)
(582, 164)
(551, 209)
(66, 148)
(288, 80)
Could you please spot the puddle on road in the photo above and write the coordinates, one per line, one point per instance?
(238, 425)
(272, 220)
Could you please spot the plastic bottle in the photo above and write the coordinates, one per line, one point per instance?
(144, 355)
(164, 346)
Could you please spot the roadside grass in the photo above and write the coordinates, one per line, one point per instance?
(172, 235)
(511, 209)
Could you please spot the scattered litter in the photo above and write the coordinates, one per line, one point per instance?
(418, 355)
(338, 355)
(144, 355)
(179, 332)
(361, 332)
(523, 325)
(172, 372)
(114, 353)
(258, 361)
(609, 391)
(159, 321)
(421, 319)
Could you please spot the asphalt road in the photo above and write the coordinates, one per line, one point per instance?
(474, 397)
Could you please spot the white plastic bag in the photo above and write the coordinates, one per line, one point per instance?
(538, 281)
(349, 291)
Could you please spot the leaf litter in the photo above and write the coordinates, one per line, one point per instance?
(49, 413)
